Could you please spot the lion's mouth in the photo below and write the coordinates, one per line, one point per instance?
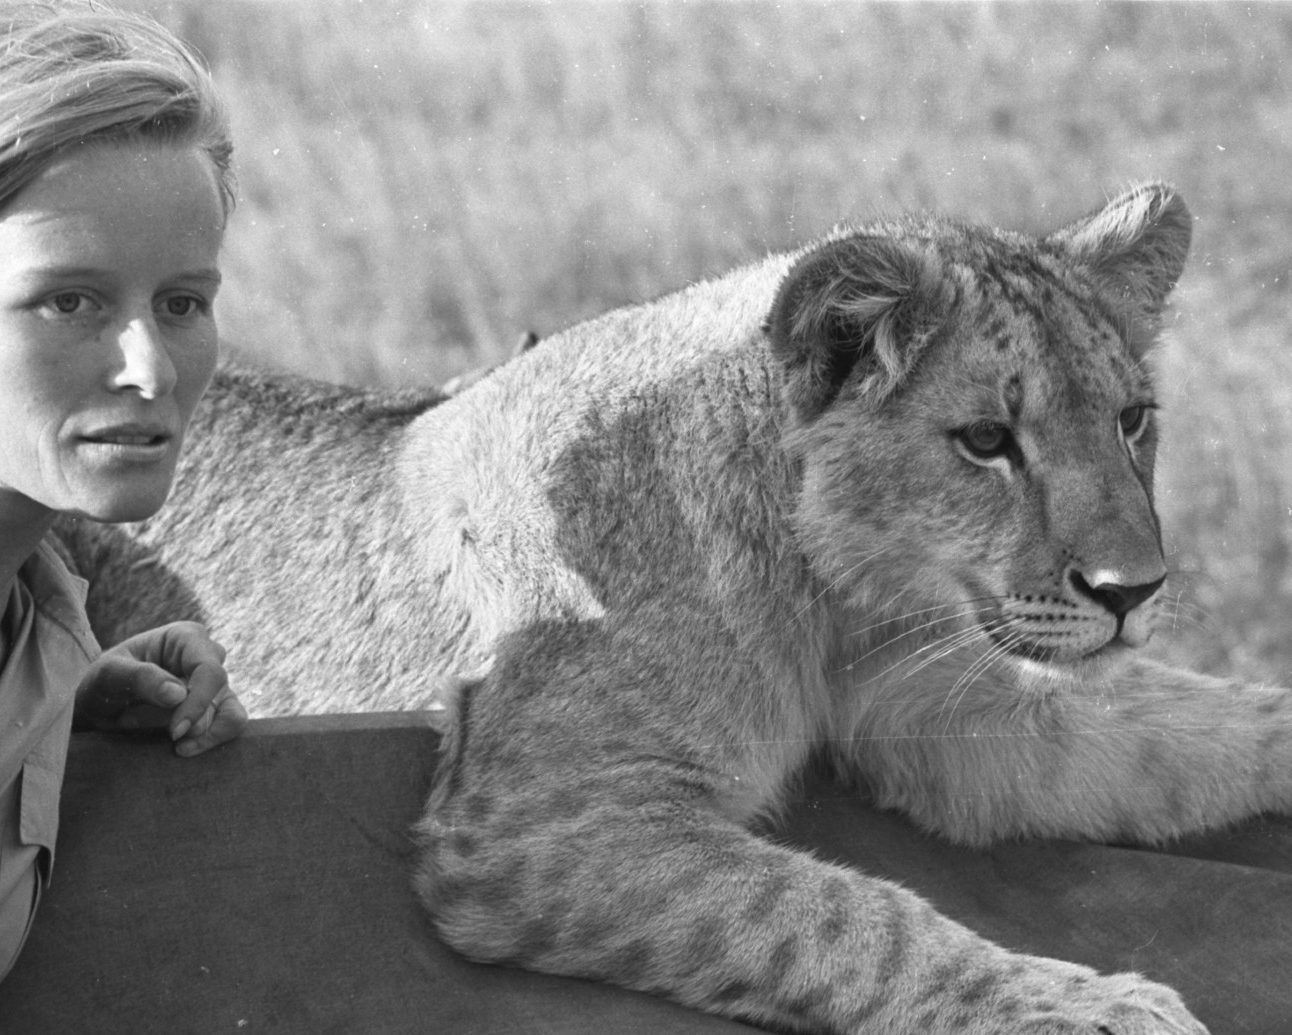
(1020, 648)
(1030, 650)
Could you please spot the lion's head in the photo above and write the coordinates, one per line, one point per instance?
(975, 417)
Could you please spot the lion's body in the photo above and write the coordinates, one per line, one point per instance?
(905, 523)
(284, 536)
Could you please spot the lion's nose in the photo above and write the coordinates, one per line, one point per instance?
(1119, 599)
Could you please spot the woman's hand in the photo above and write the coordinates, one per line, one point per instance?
(173, 678)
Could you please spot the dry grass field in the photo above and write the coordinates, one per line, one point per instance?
(423, 180)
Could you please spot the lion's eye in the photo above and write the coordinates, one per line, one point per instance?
(986, 439)
(1132, 420)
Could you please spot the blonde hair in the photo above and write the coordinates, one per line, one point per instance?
(72, 76)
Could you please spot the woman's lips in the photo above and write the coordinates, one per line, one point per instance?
(129, 442)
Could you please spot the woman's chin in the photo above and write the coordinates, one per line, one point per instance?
(114, 490)
(121, 505)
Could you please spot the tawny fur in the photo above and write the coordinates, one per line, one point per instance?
(887, 501)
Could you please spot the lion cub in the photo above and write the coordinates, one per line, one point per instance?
(885, 502)
(888, 501)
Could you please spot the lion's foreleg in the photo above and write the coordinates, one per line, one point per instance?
(1147, 754)
(572, 848)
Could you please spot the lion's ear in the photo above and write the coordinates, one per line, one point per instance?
(866, 301)
(1135, 246)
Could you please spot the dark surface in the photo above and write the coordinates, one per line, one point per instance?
(265, 887)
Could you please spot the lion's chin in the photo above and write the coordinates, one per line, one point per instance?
(1071, 674)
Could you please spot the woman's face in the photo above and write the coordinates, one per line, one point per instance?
(108, 272)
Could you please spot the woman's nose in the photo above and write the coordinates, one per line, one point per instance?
(145, 365)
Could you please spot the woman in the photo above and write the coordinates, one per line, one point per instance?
(114, 192)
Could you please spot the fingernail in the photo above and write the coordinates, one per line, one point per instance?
(182, 727)
(172, 694)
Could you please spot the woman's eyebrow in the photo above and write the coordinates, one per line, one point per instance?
(60, 272)
(210, 273)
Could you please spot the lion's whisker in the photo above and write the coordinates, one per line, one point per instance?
(839, 579)
(926, 611)
(943, 646)
(959, 634)
(976, 670)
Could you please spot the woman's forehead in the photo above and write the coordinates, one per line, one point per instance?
(98, 175)
(103, 198)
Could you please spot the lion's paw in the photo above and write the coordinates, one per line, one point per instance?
(1054, 998)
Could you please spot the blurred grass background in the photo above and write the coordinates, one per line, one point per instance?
(422, 181)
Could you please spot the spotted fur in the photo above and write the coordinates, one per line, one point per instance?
(780, 544)
(885, 502)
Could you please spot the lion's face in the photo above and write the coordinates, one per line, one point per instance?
(1010, 484)
(984, 466)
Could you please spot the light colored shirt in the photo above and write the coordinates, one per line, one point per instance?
(49, 644)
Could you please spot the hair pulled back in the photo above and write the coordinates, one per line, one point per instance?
(70, 76)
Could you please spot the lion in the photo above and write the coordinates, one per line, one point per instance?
(885, 502)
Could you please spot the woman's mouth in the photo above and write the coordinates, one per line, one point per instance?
(129, 443)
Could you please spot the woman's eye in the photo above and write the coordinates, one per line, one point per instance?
(1132, 420)
(68, 303)
(183, 306)
(986, 440)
